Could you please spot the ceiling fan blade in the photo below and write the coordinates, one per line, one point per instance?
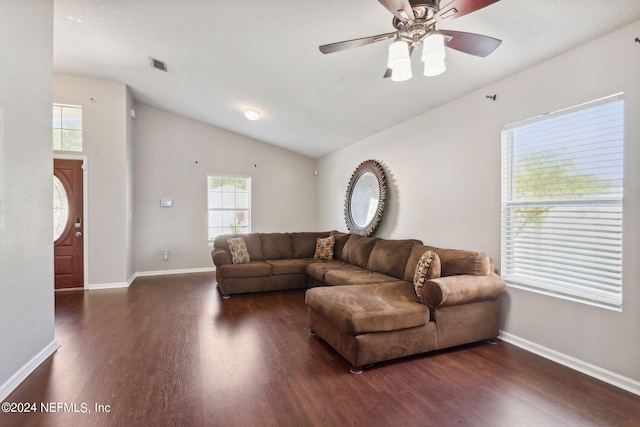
(387, 73)
(458, 8)
(350, 44)
(401, 9)
(471, 43)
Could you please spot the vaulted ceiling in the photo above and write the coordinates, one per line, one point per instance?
(223, 57)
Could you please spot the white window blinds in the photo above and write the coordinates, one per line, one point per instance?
(562, 191)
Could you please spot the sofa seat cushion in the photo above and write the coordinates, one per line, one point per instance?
(318, 269)
(355, 277)
(249, 269)
(288, 266)
(362, 309)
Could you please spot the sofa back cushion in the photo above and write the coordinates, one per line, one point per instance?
(338, 246)
(251, 240)
(458, 261)
(304, 244)
(277, 246)
(357, 250)
(390, 257)
(412, 262)
(452, 262)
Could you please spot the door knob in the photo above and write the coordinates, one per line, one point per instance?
(78, 234)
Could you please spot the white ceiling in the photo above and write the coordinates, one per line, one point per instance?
(225, 56)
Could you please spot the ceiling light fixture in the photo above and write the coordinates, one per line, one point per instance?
(415, 23)
(433, 55)
(401, 73)
(399, 61)
(398, 54)
(251, 114)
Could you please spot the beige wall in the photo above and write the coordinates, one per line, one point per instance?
(137, 162)
(107, 141)
(26, 234)
(444, 173)
(173, 156)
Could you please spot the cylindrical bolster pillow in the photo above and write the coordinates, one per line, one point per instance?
(220, 256)
(461, 289)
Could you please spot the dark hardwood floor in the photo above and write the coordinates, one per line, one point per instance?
(169, 351)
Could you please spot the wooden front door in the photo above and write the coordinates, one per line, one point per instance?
(68, 224)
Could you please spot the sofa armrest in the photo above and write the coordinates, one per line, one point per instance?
(461, 289)
(220, 257)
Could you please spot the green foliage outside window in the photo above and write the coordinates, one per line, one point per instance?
(539, 177)
(218, 182)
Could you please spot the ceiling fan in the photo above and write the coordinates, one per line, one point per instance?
(415, 23)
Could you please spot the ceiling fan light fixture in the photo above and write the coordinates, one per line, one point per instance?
(434, 67)
(401, 72)
(433, 47)
(398, 55)
(415, 25)
(433, 55)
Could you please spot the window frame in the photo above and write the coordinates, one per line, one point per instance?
(222, 209)
(61, 129)
(600, 292)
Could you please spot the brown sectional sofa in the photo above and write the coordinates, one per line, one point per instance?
(278, 262)
(363, 302)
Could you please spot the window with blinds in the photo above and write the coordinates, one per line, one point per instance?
(562, 186)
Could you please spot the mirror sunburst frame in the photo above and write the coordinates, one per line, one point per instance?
(365, 199)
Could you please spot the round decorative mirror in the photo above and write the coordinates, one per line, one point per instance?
(366, 194)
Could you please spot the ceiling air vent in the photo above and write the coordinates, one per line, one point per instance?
(156, 63)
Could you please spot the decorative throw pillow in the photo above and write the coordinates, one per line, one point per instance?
(324, 248)
(238, 249)
(422, 271)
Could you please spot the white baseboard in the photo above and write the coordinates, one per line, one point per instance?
(182, 271)
(607, 376)
(115, 285)
(128, 283)
(13, 382)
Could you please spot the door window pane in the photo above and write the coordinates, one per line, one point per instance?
(60, 208)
